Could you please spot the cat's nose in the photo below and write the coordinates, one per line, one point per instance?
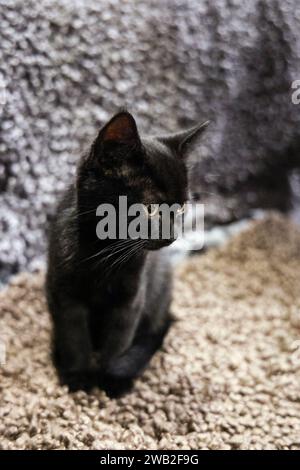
(166, 241)
(160, 243)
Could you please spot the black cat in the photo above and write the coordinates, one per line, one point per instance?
(110, 299)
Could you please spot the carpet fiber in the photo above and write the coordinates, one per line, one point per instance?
(228, 376)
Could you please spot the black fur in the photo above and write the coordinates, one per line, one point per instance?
(110, 318)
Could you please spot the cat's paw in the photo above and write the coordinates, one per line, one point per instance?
(77, 380)
(115, 387)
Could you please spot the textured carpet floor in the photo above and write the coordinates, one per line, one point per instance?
(228, 376)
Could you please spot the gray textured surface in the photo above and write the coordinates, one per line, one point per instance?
(67, 66)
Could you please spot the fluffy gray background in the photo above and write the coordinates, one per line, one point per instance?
(67, 66)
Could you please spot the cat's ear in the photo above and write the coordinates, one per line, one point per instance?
(181, 142)
(121, 129)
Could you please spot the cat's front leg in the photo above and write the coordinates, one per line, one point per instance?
(121, 371)
(72, 345)
(121, 329)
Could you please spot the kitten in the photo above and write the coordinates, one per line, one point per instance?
(109, 299)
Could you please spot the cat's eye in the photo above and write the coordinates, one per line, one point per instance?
(151, 210)
(181, 209)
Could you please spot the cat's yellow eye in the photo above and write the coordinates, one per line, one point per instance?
(181, 209)
(151, 210)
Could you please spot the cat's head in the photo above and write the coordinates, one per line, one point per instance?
(147, 170)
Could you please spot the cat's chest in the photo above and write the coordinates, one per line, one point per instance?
(105, 293)
(117, 293)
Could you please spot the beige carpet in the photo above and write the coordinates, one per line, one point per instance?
(228, 378)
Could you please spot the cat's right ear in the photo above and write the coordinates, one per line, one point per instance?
(120, 130)
(181, 142)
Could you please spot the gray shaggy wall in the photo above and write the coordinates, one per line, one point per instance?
(66, 66)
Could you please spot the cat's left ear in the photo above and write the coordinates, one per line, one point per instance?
(121, 129)
(181, 142)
